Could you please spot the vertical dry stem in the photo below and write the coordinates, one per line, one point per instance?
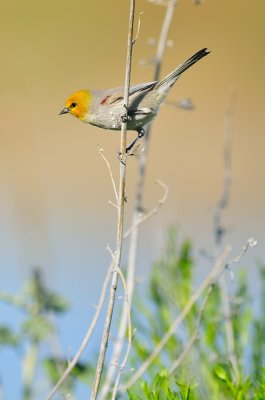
(137, 211)
(121, 200)
(219, 231)
(86, 338)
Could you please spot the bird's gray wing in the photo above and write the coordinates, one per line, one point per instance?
(141, 87)
(114, 96)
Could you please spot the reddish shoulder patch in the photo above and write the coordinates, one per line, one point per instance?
(104, 100)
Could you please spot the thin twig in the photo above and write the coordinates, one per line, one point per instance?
(87, 336)
(171, 5)
(138, 29)
(222, 203)
(151, 212)
(160, 2)
(213, 276)
(111, 175)
(117, 350)
(121, 201)
(219, 230)
(123, 364)
(195, 335)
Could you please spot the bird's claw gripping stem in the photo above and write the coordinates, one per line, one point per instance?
(126, 118)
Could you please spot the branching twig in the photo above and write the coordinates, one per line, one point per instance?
(151, 212)
(138, 28)
(111, 175)
(117, 350)
(87, 336)
(212, 277)
(121, 201)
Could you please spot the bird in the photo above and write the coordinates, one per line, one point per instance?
(105, 108)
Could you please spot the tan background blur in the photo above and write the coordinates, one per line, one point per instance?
(54, 185)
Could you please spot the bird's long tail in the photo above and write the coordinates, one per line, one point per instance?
(171, 78)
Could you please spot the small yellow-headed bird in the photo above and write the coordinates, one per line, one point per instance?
(104, 108)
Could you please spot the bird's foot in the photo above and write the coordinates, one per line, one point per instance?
(126, 118)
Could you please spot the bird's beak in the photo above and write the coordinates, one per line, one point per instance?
(64, 111)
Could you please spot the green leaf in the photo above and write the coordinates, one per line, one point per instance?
(7, 338)
(37, 328)
(221, 372)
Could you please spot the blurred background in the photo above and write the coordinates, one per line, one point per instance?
(54, 185)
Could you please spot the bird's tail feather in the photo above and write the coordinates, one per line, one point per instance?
(171, 78)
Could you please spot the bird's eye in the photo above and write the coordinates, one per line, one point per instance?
(73, 105)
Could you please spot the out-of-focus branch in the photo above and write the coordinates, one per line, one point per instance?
(214, 275)
(121, 201)
(219, 230)
(152, 212)
(87, 336)
(195, 335)
(117, 350)
(222, 203)
(123, 364)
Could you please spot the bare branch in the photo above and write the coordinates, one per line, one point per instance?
(121, 201)
(151, 212)
(111, 252)
(219, 230)
(87, 336)
(160, 2)
(227, 178)
(138, 28)
(113, 204)
(111, 175)
(123, 364)
(137, 210)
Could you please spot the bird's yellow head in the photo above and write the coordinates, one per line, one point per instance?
(78, 104)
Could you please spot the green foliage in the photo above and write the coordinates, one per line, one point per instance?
(37, 303)
(258, 337)
(7, 338)
(206, 368)
(205, 371)
(174, 269)
(163, 387)
(41, 298)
